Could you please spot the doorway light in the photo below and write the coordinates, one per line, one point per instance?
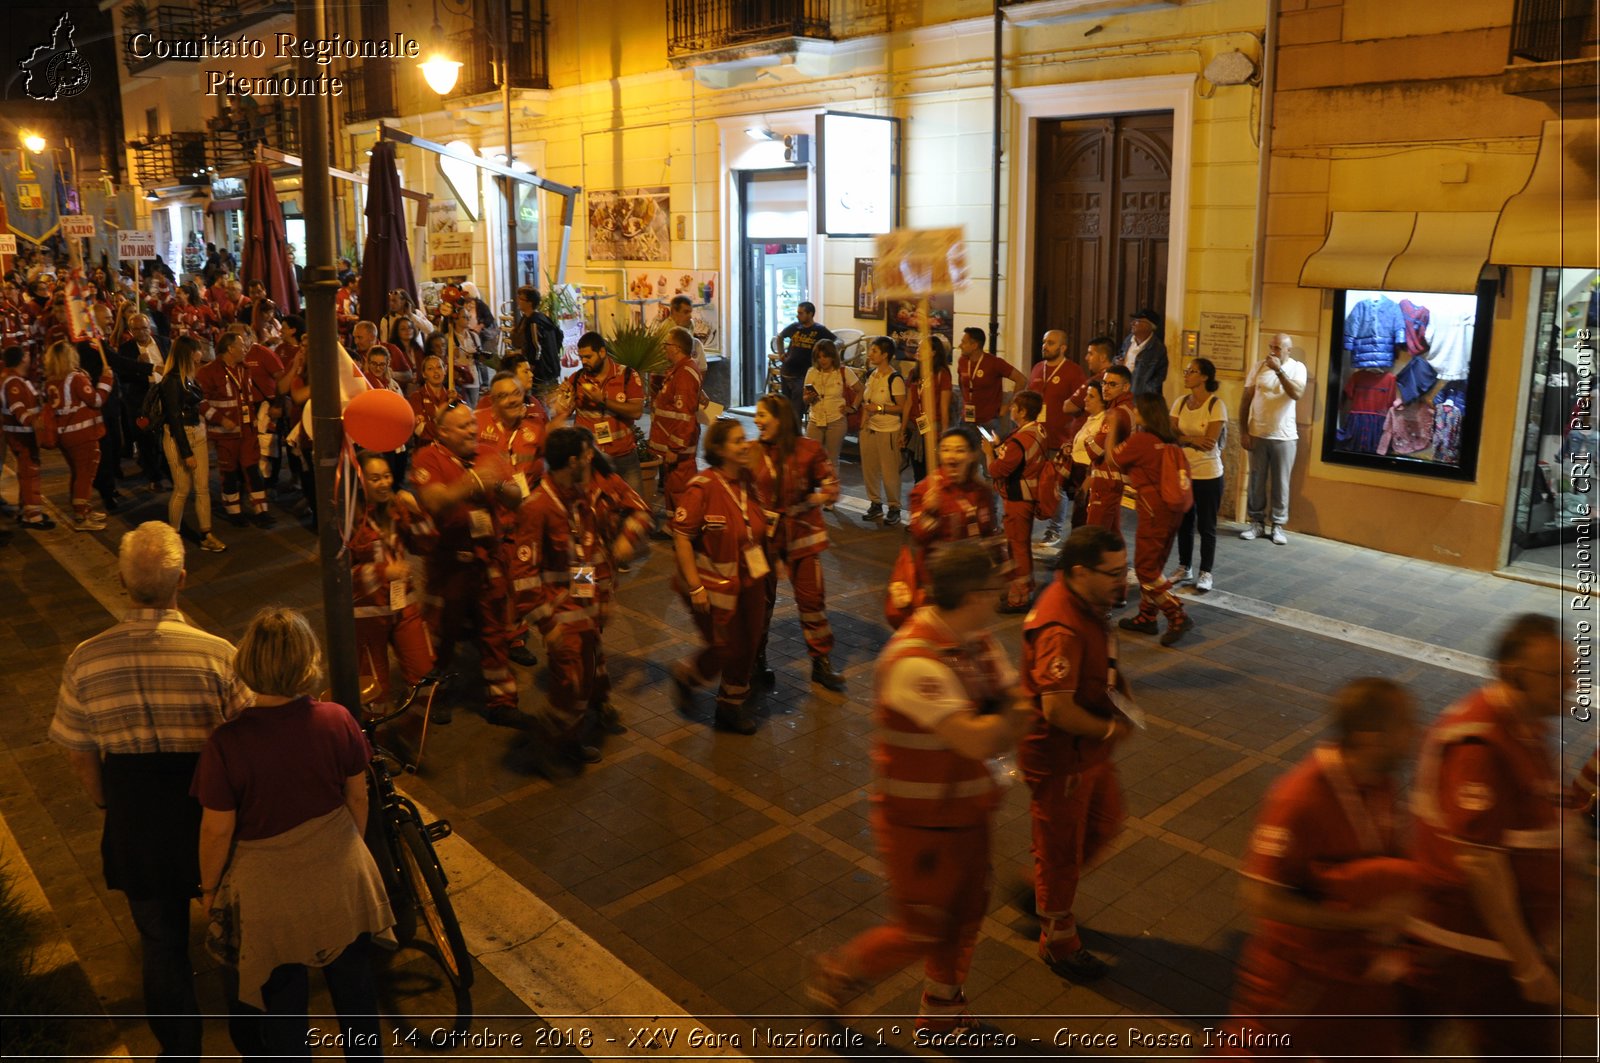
(761, 132)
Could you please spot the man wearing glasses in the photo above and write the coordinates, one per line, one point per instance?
(1069, 666)
(1268, 431)
(674, 421)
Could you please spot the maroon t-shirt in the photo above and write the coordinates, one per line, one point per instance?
(279, 766)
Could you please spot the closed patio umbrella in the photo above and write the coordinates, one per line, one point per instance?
(386, 255)
(266, 244)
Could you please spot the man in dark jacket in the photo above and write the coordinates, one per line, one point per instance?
(1144, 354)
(137, 364)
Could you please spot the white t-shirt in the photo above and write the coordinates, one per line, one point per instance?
(1272, 411)
(1080, 442)
(1203, 464)
(829, 386)
(927, 691)
(881, 391)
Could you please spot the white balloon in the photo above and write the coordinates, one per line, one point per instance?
(351, 384)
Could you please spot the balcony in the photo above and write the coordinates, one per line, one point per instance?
(1553, 51)
(170, 159)
(183, 25)
(479, 52)
(234, 134)
(704, 32)
(370, 91)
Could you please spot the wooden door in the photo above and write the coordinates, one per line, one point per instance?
(1104, 189)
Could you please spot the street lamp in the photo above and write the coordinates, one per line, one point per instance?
(32, 141)
(439, 70)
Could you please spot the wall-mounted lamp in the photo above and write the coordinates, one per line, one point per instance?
(760, 132)
(151, 197)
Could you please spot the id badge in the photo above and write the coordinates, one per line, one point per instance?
(922, 424)
(521, 479)
(582, 585)
(772, 522)
(397, 595)
(602, 433)
(482, 525)
(969, 413)
(755, 559)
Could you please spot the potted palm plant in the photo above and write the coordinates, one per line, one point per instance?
(639, 347)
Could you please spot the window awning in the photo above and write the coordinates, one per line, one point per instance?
(1555, 219)
(1402, 250)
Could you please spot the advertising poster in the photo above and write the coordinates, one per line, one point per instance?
(629, 225)
(868, 306)
(699, 285)
(903, 325)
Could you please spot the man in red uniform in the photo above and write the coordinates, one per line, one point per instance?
(623, 518)
(1105, 481)
(234, 388)
(1329, 893)
(1488, 833)
(19, 405)
(981, 377)
(947, 701)
(465, 489)
(390, 529)
(1099, 354)
(506, 430)
(1069, 666)
(674, 419)
(1016, 466)
(1056, 378)
(606, 399)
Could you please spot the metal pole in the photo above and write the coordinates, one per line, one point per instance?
(507, 186)
(326, 363)
(994, 192)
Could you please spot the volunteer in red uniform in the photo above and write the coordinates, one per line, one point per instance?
(1069, 667)
(793, 480)
(14, 320)
(390, 529)
(1099, 354)
(946, 702)
(234, 387)
(19, 405)
(76, 401)
(1016, 467)
(606, 399)
(1329, 892)
(465, 489)
(624, 520)
(1102, 489)
(1056, 377)
(506, 429)
(674, 417)
(938, 419)
(429, 398)
(952, 504)
(719, 535)
(1139, 459)
(982, 378)
(192, 317)
(1488, 832)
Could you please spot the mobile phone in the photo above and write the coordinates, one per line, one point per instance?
(990, 436)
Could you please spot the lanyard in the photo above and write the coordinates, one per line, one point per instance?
(574, 530)
(236, 381)
(1376, 833)
(741, 500)
(972, 379)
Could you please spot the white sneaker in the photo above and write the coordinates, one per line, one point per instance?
(1203, 582)
(1254, 531)
(1278, 537)
(1132, 579)
(1180, 576)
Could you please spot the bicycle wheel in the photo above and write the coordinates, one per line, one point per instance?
(434, 912)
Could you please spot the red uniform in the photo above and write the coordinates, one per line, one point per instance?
(729, 531)
(1016, 468)
(1104, 486)
(19, 405)
(942, 387)
(943, 511)
(621, 516)
(521, 445)
(1076, 801)
(783, 487)
(1487, 781)
(77, 401)
(196, 320)
(932, 809)
(1317, 832)
(426, 402)
(233, 397)
(387, 609)
(1056, 383)
(982, 383)
(1080, 399)
(675, 428)
(15, 325)
(613, 434)
(1140, 458)
(465, 576)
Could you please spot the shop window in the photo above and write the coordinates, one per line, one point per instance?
(1406, 380)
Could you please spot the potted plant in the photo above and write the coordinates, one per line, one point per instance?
(638, 347)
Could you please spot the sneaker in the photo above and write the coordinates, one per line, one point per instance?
(1202, 582)
(1278, 537)
(1080, 966)
(1138, 624)
(1051, 536)
(893, 518)
(1131, 579)
(1253, 531)
(828, 986)
(1180, 576)
(212, 545)
(1175, 630)
(89, 523)
(39, 523)
(874, 511)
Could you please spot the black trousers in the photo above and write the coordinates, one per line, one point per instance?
(168, 974)
(279, 1032)
(1201, 515)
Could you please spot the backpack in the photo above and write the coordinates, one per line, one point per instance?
(1177, 491)
(46, 429)
(1047, 497)
(547, 364)
(153, 411)
(1211, 404)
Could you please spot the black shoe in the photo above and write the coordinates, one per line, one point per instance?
(40, 523)
(441, 713)
(735, 719)
(1138, 624)
(111, 500)
(764, 674)
(238, 520)
(874, 512)
(822, 672)
(893, 518)
(506, 716)
(610, 719)
(578, 752)
(1175, 631)
(519, 655)
(263, 519)
(1080, 966)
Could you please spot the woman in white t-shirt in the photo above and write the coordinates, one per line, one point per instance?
(1199, 417)
(1094, 404)
(831, 392)
(884, 399)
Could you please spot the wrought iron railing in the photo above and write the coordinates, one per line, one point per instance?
(1548, 31)
(704, 25)
(183, 25)
(170, 159)
(370, 91)
(233, 136)
(479, 52)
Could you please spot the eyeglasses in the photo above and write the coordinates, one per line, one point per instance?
(1113, 573)
(1191, 369)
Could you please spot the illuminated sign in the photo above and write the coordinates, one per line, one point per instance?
(858, 174)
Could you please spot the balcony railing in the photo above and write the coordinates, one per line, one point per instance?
(170, 159)
(370, 91)
(183, 24)
(1549, 31)
(479, 52)
(233, 136)
(707, 25)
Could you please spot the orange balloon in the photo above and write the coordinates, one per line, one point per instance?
(379, 419)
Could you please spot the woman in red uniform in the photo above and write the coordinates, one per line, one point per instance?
(429, 398)
(952, 504)
(940, 415)
(1139, 458)
(77, 401)
(720, 537)
(794, 480)
(389, 531)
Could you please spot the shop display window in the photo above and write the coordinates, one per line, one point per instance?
(1406, 380)
(1555, 482)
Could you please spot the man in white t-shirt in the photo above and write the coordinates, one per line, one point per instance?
(1268, 431)
(681, 310)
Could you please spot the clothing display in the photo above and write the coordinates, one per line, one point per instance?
(1368, 395)
(1415, 379)
(1449, 407)
(1450, 352)
(1416, 318)
(1407, 430)
(1372, 330)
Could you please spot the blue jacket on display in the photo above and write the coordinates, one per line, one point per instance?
(1372, 330)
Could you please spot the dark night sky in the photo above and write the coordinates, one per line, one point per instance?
(94, 118)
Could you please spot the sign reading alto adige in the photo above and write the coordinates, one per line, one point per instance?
(136, 244)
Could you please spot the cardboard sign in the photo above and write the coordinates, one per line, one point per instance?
(8, 244)
(77, 225)
(449, 254)
(136, 244)
(915, 263)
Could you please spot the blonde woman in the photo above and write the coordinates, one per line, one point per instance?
(183, 439)
(283, 786)
(77, 401)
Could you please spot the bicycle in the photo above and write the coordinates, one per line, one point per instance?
(402, 844)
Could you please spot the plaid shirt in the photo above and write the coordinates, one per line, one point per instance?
(150, 684)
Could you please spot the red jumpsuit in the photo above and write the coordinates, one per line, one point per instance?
(1317, 827)
(1016, 467)
(387, 609)
(675, 428)
(521, 446)
(1076, 801)
(235, 394)
(77, 402)
(800, 537)
(729, 531)
(426, 402)
(1139, 458)
(932, 811)
(613, 434)
(19, 405)
(1487, 780)
(193, 320)
(465, 577)
(621, 516)
(1104, 487)
(957, 512)
(1056, 383)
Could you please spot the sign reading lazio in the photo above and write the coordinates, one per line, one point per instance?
(136, 243)
(77, 225)
(917, 263)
